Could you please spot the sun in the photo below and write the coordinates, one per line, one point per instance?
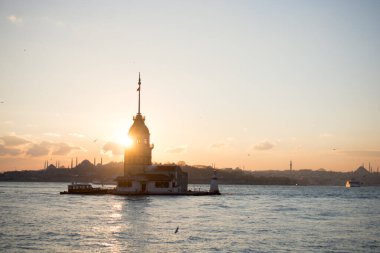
(122, 138)
(126, 141)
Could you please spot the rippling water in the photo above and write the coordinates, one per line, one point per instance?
(34, 217)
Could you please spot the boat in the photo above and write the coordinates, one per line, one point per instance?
(75, 188)
(352, 183)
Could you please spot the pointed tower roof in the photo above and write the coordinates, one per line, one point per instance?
(138, 127)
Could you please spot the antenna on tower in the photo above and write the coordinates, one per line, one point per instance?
(139, 89)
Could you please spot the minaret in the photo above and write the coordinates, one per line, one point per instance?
(101, 160)
(291, 165)
(72, 163)
(139, 155)
(76, 162)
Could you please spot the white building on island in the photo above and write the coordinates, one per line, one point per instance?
(140, 176)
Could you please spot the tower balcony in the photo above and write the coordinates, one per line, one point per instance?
(139, 116)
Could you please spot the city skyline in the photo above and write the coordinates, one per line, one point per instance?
(249, 84)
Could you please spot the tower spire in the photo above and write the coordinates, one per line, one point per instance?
(138, 89)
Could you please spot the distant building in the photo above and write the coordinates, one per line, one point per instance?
(140, 176)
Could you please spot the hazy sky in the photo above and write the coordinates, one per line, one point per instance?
(252, 84)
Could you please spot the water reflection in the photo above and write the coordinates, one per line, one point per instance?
(133, 222)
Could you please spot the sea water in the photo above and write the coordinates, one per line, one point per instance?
(34, 217)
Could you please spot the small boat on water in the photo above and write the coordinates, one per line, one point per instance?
(352, 183)
(75, 188)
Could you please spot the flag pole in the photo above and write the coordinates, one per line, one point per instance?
(139, 91)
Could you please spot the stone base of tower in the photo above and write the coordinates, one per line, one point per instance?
(162, 179)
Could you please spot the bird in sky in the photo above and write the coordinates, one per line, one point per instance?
(176, 230)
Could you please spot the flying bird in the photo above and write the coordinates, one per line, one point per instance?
(176, 230)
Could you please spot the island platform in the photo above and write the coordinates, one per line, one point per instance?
(87, 189)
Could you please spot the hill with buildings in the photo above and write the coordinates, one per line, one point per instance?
(88, 172)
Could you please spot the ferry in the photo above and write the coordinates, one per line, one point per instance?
(75, 188)
(352, 183)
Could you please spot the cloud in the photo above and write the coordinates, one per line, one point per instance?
(77, 135)
(14, 19)
(63, 148)
(7, 122)
(46, 148)
(9, 151)
(362, 153)
(14, 145)
(113, 148)
(263, 145)
(325, 135)
(11, 140)
(52, 134)
(32, 125)
(52, 21)
(177, 150)
(217, 145)
(223, 144)
(40, 149)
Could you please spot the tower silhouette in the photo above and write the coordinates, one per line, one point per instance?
(139, 155)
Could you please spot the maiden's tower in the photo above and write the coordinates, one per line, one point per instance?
(140, 176)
